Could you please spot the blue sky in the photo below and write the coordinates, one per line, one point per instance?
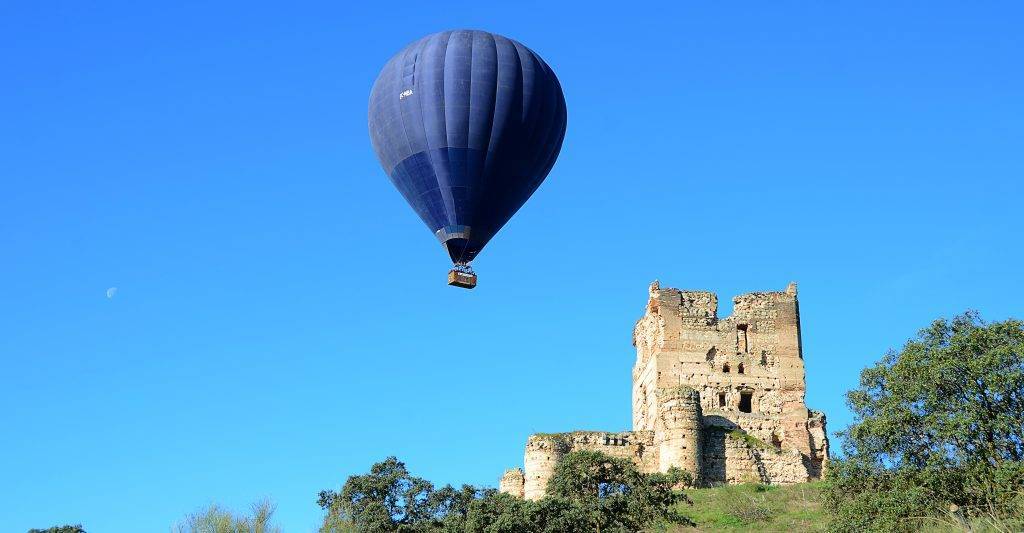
(281, 319)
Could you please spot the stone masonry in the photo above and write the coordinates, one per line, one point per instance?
(722, 399)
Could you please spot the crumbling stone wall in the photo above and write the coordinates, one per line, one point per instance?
(819, 443)
(512, 482)
(544, 450)
(721, 398)
(735, 457)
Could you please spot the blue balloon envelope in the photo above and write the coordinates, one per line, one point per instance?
(467, 124)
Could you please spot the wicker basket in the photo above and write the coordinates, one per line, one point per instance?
(458, 278)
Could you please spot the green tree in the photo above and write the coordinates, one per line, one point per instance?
(609, 493)
(589, 491)
(215, 519)
(498, 512)
(938, 429)
(390, 499)
(60, 529)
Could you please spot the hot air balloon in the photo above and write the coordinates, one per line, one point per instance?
(467, 124)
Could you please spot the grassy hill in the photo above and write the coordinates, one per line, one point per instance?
(753, 507)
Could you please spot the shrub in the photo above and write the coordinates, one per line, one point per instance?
(215, 519)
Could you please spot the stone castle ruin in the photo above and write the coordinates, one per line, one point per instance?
(722, 399)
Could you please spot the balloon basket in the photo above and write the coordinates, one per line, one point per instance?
(461, 278)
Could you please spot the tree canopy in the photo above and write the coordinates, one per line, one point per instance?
(610, 494)
(938, 425)
(589, 491)
(952, 396)
(389, 498)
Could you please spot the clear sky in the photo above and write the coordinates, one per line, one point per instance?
(281, 319)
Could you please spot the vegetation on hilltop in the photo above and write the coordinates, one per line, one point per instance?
(589, 491)
(938, 435)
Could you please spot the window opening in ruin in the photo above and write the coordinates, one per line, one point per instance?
(741, 338)
(740, 368)
(745, 400)
(725, 368)
(721, 399)
(776, 441)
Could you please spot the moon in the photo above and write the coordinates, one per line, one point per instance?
(111, 292)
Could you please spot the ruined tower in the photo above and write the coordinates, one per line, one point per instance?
(542, 454)
(677, 431)
(748, 371)
(721, 398)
